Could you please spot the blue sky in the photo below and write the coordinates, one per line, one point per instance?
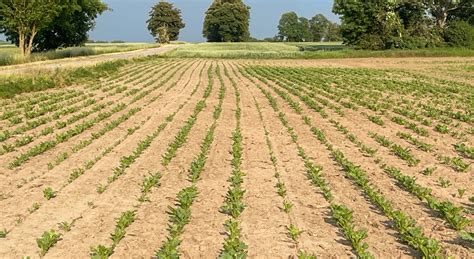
(127, 21)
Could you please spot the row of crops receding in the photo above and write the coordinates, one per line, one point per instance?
(158, 158)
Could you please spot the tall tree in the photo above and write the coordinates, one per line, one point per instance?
(318, 26)
(333, 32)
(165, 22)
(68, 26)
(371, 24)
(227, 21)
(71, 26)
(293, 28)
(26, 18)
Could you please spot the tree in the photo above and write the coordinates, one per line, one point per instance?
(303, 29)
(440, 10)
(165, 22)
(333, 32)
(227, 21)
(465, 12)
(374, 24)
(25, 18)
(459, 34)
(318, 26)
(293, 28)
(69, 25)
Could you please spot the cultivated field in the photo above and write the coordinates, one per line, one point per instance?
(201, 158)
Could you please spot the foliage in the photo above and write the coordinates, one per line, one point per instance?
(165, 22)
(47, 240)
(292, 28)
(379, 25)
(25, 19)
(322, 29)
(460, 34)
(71, 26)
(227, 21)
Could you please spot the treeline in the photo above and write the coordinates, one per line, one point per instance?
(298, 29)
(376, 24)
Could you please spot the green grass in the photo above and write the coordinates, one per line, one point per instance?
(278, 50)
(13, 85)
(10, 55)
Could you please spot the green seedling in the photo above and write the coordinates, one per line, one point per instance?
(48, 193)
(47, 240)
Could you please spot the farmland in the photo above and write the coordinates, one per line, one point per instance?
(198, 157)
(10, 55)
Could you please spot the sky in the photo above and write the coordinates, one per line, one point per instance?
(127, 20)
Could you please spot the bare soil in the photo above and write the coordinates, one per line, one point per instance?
(175, 87)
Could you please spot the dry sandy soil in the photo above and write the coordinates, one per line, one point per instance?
(159, 99)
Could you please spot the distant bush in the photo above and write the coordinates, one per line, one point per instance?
(460, 34)
(117, 41)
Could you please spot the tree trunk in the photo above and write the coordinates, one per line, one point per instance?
(442, 20)
(21, 36)
(29, 47)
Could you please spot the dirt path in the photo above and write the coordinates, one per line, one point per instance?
(36, 67)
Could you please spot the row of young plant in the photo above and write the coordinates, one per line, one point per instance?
(29, 100)
(143, 92)
(447, 210)
(33, 110)
(180, 214)
(403, 153)
(280, 187)
(357, 96)
(134, 79)
(89, 164)
(127, 161)
(25, 140)
(455, 163)
(407, 108)
(113, 80)
(28, 125)
(107, 84)
(128, 217)
(33, 124)
(62, 124)
(102, 251)
(410, 232)
(62, 137)
(342, 214)
(108, 127)
(438, 95)
(181, 137)
(234, 205)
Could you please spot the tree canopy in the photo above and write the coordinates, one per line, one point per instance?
(25, 18)
(165, 22)
(49, 24)
(297, 29)
(375, 24)
(227, 21)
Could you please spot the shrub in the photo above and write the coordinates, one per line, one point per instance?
(372, 42)
(460, 34)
